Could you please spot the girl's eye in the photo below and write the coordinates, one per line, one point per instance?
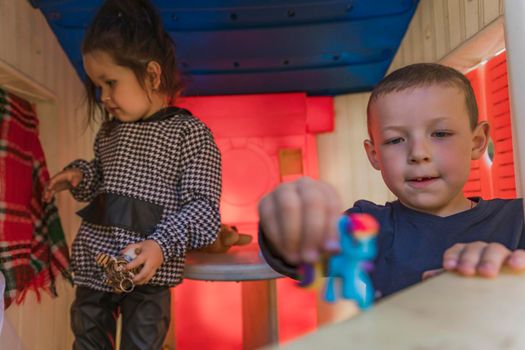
(394, 141)
(110, 83)
(441, 134)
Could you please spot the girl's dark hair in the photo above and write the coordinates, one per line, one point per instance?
(131, 32)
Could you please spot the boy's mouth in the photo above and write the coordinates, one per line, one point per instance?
(424, 178)
(421, 181)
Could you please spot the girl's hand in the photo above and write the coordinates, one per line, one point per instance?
(299, 219)
(150, 255)
(64, 180)
(483, 259)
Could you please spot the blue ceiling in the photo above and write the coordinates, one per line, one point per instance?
(322, 47)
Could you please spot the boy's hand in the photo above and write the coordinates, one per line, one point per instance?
(431, 273)
(481, 258)
(150, 256)
(64, 180)
(300, 219)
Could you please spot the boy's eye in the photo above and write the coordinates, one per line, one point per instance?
(394, 141)
(441, 134)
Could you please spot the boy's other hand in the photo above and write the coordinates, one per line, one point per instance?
(150, 256)
(483, 259)
(299, 219)
(64, 180)
(431, 273)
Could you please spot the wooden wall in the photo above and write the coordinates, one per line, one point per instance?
(441, 26)
(28, 46)
(438, 29)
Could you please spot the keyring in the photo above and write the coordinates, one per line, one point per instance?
(127, 285)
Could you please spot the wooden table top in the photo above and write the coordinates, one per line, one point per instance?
(238, 264)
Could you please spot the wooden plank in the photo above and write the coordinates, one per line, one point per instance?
(471, 22)
(491, 10)
(18, 82)
(416, 36)
(442, 44)
(445, 312)
(429, 32)
(455, 16)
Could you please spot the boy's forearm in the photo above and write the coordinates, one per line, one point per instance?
(272, 257)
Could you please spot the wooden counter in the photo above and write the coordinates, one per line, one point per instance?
(445, 312)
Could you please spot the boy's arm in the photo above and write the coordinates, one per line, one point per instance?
(196, 225)
(273, 259)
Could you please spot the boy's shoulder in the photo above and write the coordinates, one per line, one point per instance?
(511, 205)
(366, 206)
(379, 211)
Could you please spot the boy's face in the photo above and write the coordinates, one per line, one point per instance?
(423, 145)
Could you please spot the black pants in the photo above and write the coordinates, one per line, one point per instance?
(145, 318)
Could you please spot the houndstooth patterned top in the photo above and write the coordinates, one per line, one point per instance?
(168, 162)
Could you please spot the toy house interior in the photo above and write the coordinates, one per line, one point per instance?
(283, 86)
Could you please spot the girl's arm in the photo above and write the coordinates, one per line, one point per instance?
(199, 190)
(87, 188)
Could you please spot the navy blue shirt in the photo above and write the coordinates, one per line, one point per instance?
(411, 242)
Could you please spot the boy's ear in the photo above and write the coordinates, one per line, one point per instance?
(480, 139)
(153, 73)
(371, 153)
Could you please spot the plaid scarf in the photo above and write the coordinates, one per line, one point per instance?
(33, 250)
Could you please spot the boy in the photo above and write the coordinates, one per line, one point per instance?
(424, 131)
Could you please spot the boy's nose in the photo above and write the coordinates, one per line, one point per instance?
(418, 153)
(417, 158)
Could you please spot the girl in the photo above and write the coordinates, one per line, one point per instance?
(153, 185)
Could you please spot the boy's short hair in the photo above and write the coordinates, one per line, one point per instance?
(425, 74)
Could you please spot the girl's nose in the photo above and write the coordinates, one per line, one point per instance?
(104, 95)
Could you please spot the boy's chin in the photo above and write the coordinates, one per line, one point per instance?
(434, 206)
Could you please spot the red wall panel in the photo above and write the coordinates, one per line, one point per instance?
(251, 131)
(493, 178)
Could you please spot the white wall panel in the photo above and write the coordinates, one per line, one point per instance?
(30, 47)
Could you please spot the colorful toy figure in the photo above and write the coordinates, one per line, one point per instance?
(357, 234)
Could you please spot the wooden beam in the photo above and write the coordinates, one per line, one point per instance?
(17, 82)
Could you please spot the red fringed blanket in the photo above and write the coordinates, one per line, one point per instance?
(33, 250)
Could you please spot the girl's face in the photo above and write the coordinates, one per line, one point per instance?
(120, 91)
